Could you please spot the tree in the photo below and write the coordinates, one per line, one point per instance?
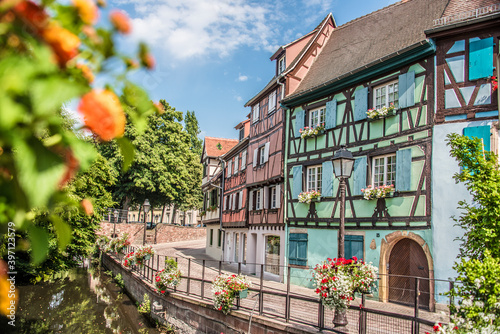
(193, 130)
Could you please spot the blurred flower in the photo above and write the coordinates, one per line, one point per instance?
(86, 72)
(148, 61)
(131, 63)
(32, 14)
(120, 21)
(64, 43)
(103, 114)
(101, 3)
(159, 107)
(72, 165)
(87, 10)
(6, 294)
(87, 206)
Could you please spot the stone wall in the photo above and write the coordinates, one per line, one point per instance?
(195, 316)
(165, 233)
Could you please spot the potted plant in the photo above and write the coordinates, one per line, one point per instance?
(129, 260)
(382, 112)
(143, 254)
(226, 288)
(309, 132)
(378, 192)
(170, 276)
(309, 196)
(336, 280)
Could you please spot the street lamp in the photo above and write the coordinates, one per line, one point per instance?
(114, 225)
(343, 163)
(146, 207)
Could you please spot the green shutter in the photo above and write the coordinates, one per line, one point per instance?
(481, 132)
(297, 181)
(402, 89)
(359, 175)
(327, 179)
(331, 114)
(353, 246)
(481, 58)
(299, 122)
(298, 249)
(360, 104)
(403, 169)
(406, 89)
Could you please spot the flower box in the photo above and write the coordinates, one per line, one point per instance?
(309, 196)
(311, 132)
(378, 192)
(375, 114)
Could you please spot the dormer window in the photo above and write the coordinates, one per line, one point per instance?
(242, 133)
(281, 65)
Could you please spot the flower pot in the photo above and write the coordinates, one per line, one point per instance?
(147, 257)
(340, 318)
(243, 294)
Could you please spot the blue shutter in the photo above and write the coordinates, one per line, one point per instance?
(297, 181)
(481, 132)
(298, 249)
(360, 104)
(331, 114)
(359, 176)
(327, 179)
(299, 122)
(481, 59)
(402, 90)
(403, 169)
(353, 246)
(406, 89)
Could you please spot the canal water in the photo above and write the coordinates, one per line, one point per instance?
(79, 301)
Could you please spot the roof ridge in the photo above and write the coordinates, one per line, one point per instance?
(220, 138)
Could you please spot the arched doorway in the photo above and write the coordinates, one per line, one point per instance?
(407, 261)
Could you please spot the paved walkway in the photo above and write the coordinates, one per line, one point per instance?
(301, 311)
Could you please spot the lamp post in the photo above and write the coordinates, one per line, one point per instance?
(146, 206)
(114, 225)
(343, 163)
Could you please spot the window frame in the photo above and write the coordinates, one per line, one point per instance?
(261, 155)
(255, 113)
(236, 165)
(387, 102)
(257, 200)
(373, 166)
(272, 197)
(281, 64)
(318, 178)
(271, 108)
(321, 116)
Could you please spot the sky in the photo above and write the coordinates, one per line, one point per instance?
(212, 56)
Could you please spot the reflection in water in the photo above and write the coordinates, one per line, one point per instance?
(79, 303)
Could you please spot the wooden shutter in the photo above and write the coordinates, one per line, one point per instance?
(261, 198)
(327, 179)
(233, 206)
(360, 104)
(244, 160)
(406, 89)
(278, 195)
(224, 204)
(298, 249)
(481, 132)
(229, 167)
(359, 175)
(240, 204)
(481, 58)
(266, 152)
(255, 152)
(353, 246)
(235, 165)
(299, 122)
(403, 170)
(331, 114)
(266, 197)
(297, 181)
(250, 200)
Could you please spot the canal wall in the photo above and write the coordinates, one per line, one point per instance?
(192, 315)
(165, 233)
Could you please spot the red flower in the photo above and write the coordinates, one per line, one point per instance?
(162, 291)
(32, 14)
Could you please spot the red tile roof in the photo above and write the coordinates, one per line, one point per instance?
(215, 147)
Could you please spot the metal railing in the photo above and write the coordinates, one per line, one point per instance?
(278, 301)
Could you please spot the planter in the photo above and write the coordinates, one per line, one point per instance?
(340, 318)
(376, 114)
(243, 294)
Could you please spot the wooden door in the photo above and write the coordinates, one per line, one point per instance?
(407, 261)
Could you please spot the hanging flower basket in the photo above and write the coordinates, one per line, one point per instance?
(129, 260)
(310, 132)
(226, 288)
(378, 192)
(117, 245)
(143, 253)
(169, 277)
(382, 112)
(309, 196)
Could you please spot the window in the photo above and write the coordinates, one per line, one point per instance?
(211, 237)
(236, 165)
(316, 117)
(384, 170)
(298, 249)
(353, 246)
(242, 133)
(219, 238)
(272, 256)
(262, 155)
(255, 113)
(385, 95)
(204, 170)
(281, 65)
(272, 197)
(213, 197)
(244, 160)
(258, 197)
(271, 103)
(314, 175)
(236, 201)
(229, 168)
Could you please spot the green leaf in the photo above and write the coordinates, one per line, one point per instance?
(39, 244)
(63, 232)
(45, 101)
(10, 112)
(128, 152)
(136, 97)
(84, 152)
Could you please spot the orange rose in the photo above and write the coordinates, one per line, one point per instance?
(103, 114)
(120, 21)
(86, 72)
(64, 43)
(87, 207)
(32, 14)
(87, 10)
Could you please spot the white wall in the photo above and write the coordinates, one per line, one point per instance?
(213, 251)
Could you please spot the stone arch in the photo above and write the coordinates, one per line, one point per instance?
(386, 247)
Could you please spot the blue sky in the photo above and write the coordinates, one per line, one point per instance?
(213, 55)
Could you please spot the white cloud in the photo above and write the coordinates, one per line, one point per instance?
(242, 77)
(196, 28)
(238, 98)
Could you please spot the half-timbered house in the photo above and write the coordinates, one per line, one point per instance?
(372, 90)
(211, 185)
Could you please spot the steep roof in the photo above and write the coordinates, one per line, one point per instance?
(367, 39)
(213, 149)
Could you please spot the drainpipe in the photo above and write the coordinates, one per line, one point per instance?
(221, 203)
(282, 86)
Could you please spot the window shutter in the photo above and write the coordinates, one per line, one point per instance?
(255, 152)
(331, 114)
(327, 179)
(299, 122)
(481, 132)
(250, 200)
(353, 246)
(298, 249)
(278, 195)
(240, 204)
(297, 181)
(481, 59)
(266, 152)
(406, 89)
(235, 165)
(403, 169)
(244, 160)
(224, 204)
(359, 176)
(360, 104)
(266, 197)
(229, 167)
(261, 198)
(234, 202)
